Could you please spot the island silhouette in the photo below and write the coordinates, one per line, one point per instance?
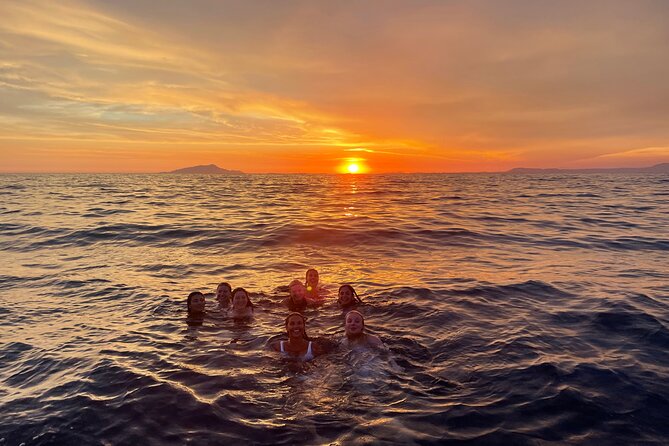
(208, 169)
(658, 168)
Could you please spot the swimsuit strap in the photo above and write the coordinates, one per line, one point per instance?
(309, 353)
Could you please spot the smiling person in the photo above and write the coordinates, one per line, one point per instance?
(355, 335)
(347, 298)
(224, 294)
(311, 282)
(299, 345)
(195, 304)
(242, 307)
(297, 299)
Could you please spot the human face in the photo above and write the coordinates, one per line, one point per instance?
(223, 293)
(354, 324)
(312, 277)
(298, 292)
(295, 326)
(239, 300)
(197, 303)
(345, 296)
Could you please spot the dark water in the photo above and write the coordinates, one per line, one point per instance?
(517, 309)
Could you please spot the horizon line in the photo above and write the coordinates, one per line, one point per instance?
(336, 173)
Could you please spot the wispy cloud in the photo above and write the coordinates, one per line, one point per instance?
(426, 85)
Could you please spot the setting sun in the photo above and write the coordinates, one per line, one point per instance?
(353, 166)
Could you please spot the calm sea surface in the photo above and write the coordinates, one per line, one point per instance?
(518, 309)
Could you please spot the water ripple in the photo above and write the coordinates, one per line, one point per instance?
(516, 309)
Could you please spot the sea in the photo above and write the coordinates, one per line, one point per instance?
(528, 309)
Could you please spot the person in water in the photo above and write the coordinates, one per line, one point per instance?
(224, 294)
(347, 297)
(298, 345)
(297, 300)
(242, 307)
(195, 304)
(355, 332)
(311, 282)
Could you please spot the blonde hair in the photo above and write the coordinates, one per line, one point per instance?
(359, 314)
(295, 282)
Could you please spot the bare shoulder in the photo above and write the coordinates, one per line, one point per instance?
(276, 346)
(375, 341)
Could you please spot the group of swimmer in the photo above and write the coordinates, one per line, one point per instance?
(301, 296)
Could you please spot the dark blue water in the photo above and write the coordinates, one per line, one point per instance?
(517, 309)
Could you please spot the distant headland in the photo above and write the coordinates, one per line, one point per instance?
(658, 168)
(208, 169)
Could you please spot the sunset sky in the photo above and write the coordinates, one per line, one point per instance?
(309, 86)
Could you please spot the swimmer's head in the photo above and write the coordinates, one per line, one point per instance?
(240, 299)
(355, 323)
(195, 302)
(223, 292)
(311, 279)
(347, 296)
(297, 291)
(295, 326)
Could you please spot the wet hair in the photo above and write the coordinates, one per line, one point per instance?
(294, 282)
(355, 295)
(306, 276)
(224, 283)
(292, 305)
(304, 320)
(190, 298)
(362, 318)
(246, 293)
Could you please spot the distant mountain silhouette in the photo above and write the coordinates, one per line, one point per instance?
(658, 168)
(209, 168)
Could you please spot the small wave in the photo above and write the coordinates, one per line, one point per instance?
(535, 289)
(13, 187)
(606, 223)
(631, 324)
(337, 236)
(100, 212)
(632, 244)
(9, 227)
(37, 369)
(7, 282)
(12, 352)
(133, 233)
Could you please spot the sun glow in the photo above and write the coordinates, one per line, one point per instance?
(352, 166)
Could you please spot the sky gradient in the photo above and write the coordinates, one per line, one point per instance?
(292, 86)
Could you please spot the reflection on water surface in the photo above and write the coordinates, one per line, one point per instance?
(517, 309)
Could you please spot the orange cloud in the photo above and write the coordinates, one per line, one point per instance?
(431, 87)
